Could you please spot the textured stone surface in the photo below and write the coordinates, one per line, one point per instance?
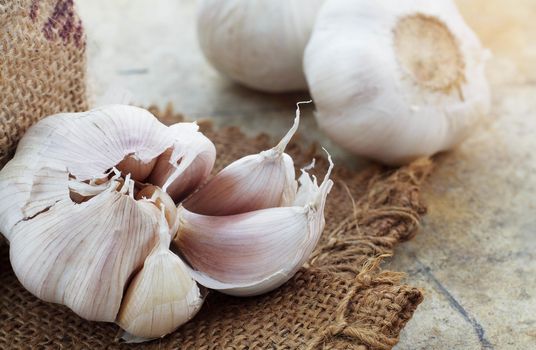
(475, 256)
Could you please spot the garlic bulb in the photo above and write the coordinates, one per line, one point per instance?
(88, 205)
(77, 226)
(258, 43)
(396, 80)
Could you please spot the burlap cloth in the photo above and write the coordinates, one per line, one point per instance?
(340, 300)
(42, 65)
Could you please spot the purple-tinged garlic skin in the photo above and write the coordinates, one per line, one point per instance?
(254, 252)
(258, 181)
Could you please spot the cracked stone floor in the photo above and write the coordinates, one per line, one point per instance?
(475, 255)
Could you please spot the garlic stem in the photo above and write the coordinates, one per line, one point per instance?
(282, 145)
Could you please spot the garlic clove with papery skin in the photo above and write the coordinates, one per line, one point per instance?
(180, 170)
(160, 198)
(137, 169)
(162, 296)
(257, 43)
(255, 252)
(395, 80)
(257, 181)
(79, 228)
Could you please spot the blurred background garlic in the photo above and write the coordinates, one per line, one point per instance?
(257, 43)
(84, 207)
(396, 80)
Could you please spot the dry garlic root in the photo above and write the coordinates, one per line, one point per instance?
(258, 43)
(84, 206)
(396, 80)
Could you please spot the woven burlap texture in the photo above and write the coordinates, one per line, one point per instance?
(42, 65)
(340, 300)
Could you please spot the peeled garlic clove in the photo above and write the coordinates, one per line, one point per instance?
(258, 181)
(255, 252)
(396, 80)
(179, 171)
(162, 296)
(257, 43)
(77, 233)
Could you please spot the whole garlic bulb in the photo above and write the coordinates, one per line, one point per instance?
(396, 80)
(258, 43)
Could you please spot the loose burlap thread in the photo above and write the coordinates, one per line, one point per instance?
(340, 300)
(42, 65)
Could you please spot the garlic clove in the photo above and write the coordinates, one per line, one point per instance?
(91, 143)
(137, 169)
(64, 255)
(259, 181)
(23, 196)
(254, 252)
(162, 200)
(162, 296)
(394, 80)
(179, 171)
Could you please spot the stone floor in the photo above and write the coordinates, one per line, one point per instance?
(475, 255)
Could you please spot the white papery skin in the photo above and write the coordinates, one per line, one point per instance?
(254, 252)
(366, 101)
(82, 254)
(258, 43)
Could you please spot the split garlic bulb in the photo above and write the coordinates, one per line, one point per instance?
(258, 43)
(78, 231)
(396, 80)
(89, 206)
